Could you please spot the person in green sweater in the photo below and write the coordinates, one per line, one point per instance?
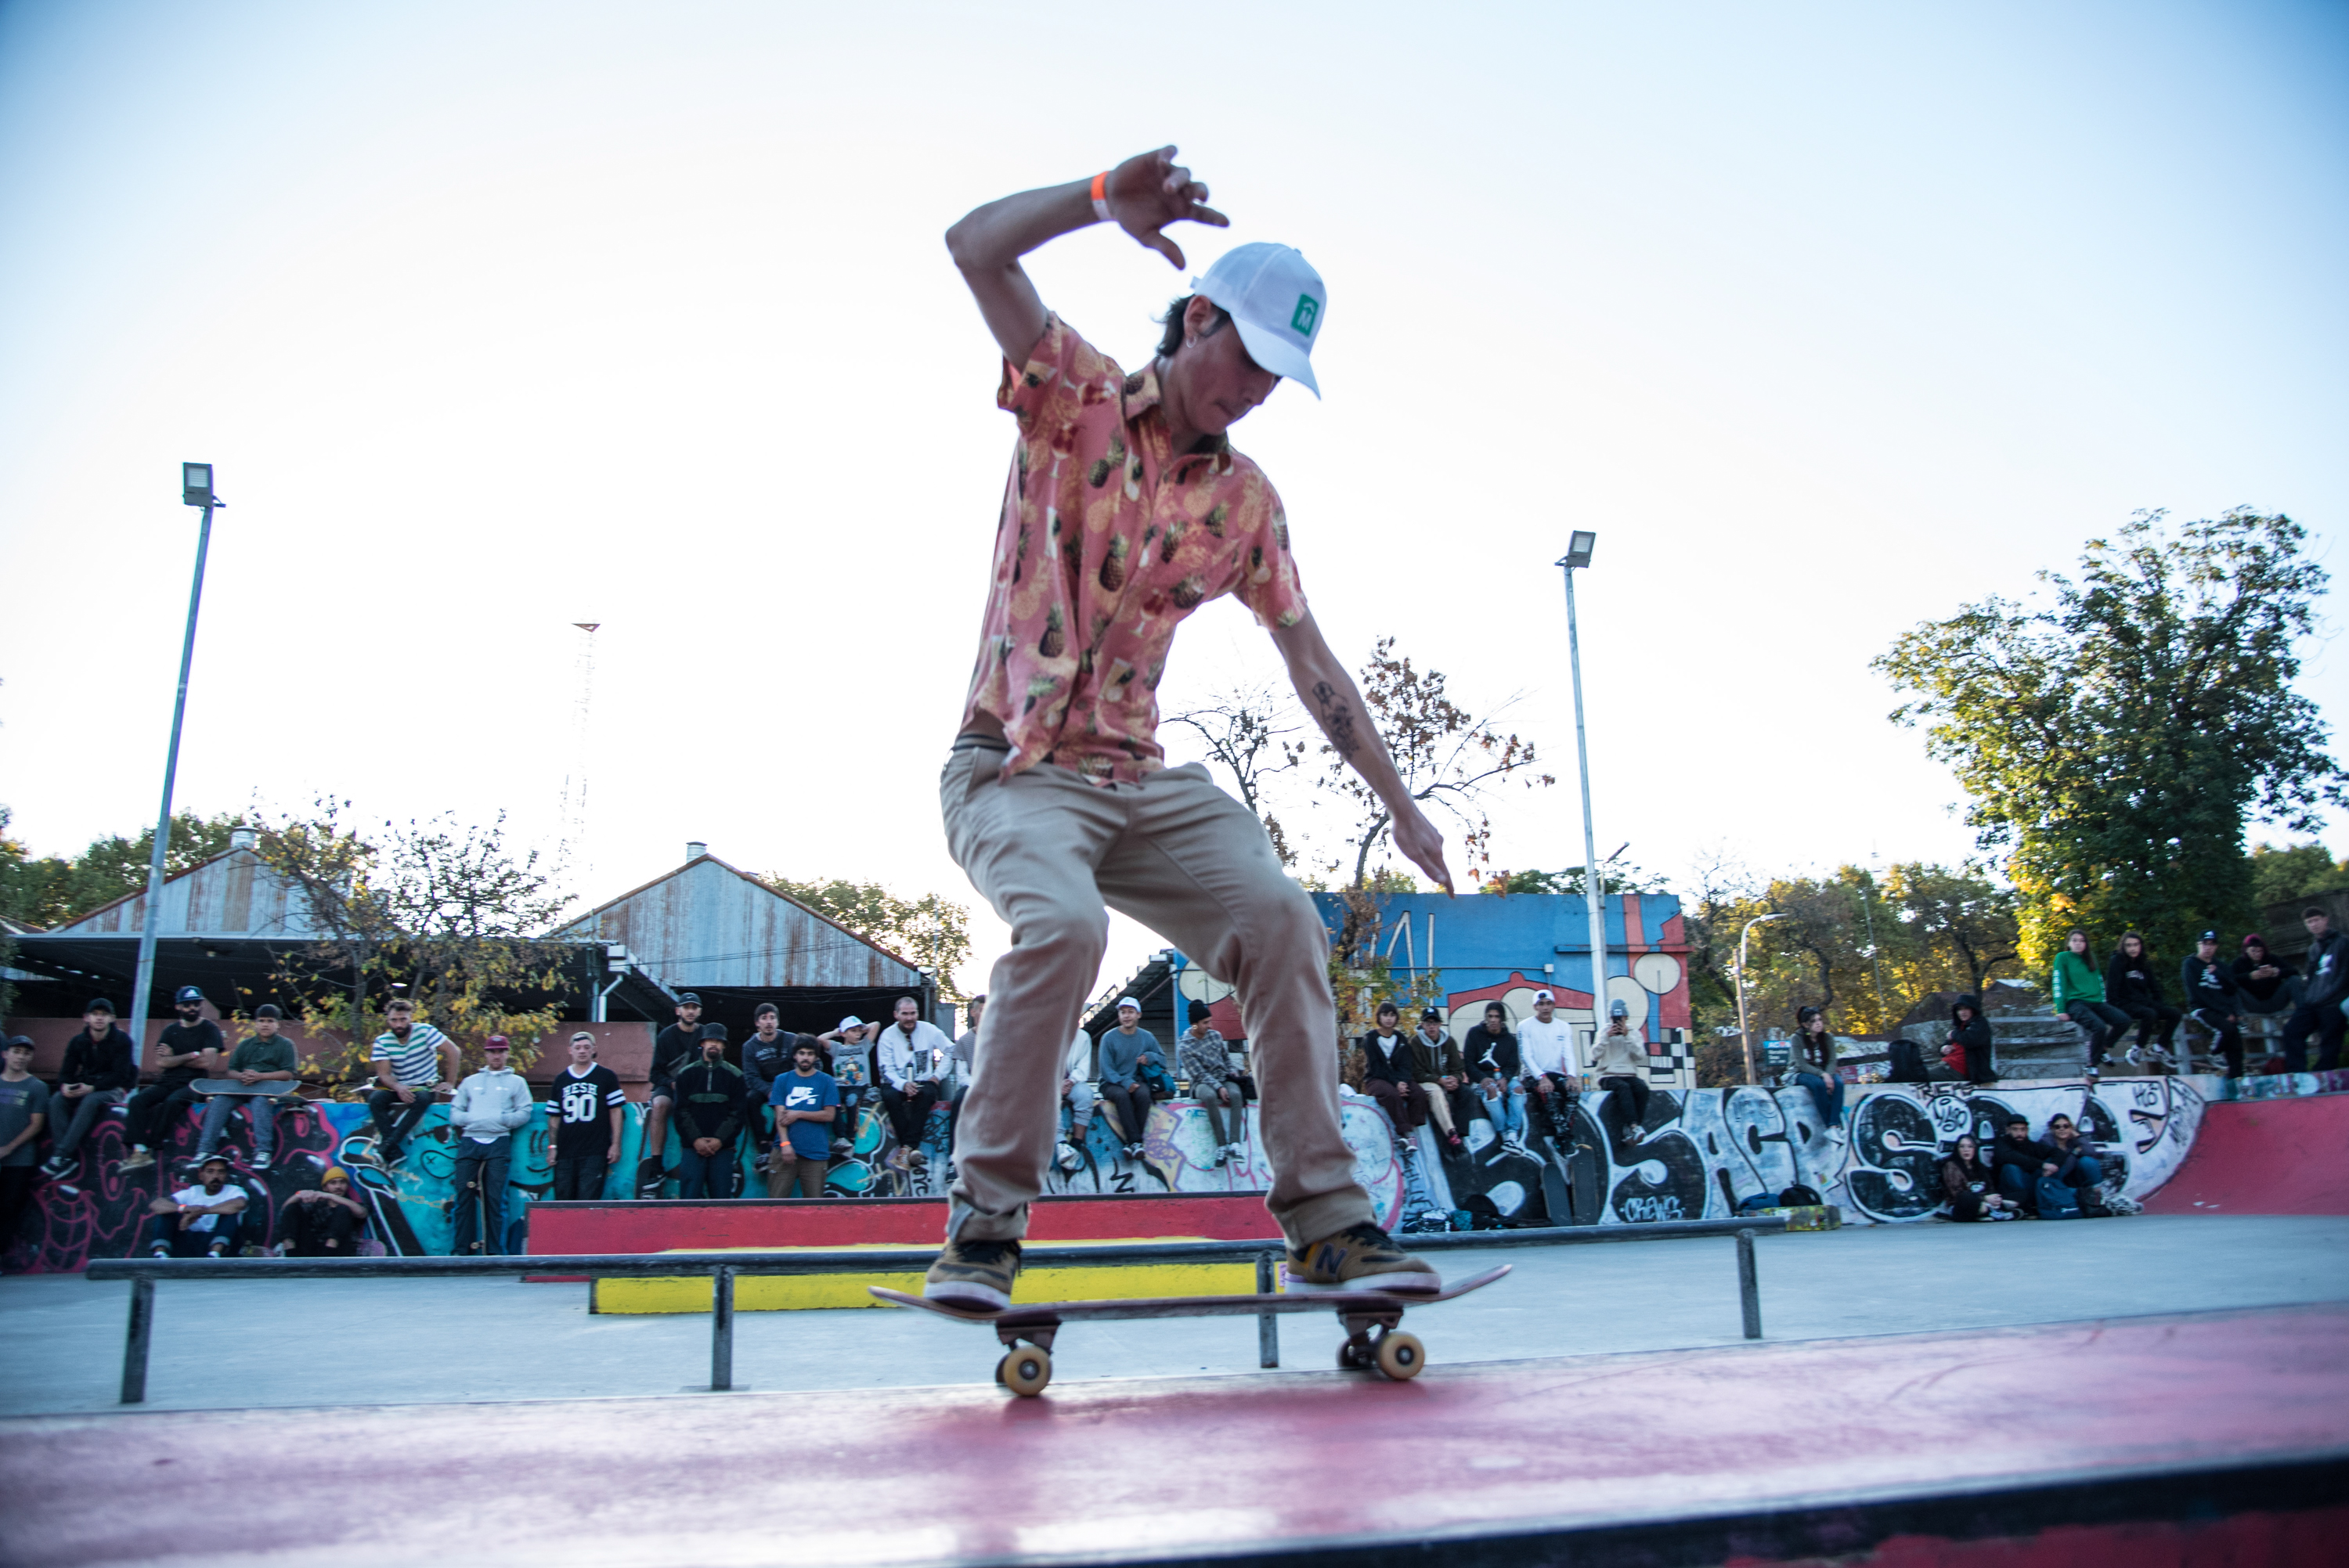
(265, 1056)
(2080, 996)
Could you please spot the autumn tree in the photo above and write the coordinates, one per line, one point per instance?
(1246, 732)
(931, 931)
(448, 916)
(2116, 742)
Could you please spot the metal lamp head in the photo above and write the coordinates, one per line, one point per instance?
(196, 484)
(1577, 550)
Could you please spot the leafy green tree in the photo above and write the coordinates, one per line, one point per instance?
(2114, 744)
(51, 889)
(931, 931)
(2294, 872)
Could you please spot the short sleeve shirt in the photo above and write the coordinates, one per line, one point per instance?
(809, 1140)
(19, 1103)
(1108, 540)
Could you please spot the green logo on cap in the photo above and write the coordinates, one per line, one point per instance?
(1308, 308)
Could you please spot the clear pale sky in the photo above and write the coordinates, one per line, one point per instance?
(497, 317)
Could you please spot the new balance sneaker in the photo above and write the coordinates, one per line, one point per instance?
(137, 1159)
(972, 1273)
(1360, 1258)
(260, 1161)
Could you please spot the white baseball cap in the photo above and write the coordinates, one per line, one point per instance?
(851, 1022)
(1124, 1002)
(1277, 300)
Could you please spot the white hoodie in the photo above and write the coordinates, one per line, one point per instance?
(491, 1104)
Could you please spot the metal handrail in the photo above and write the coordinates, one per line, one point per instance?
(724, 1267)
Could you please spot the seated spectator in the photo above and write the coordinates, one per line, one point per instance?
(711, 1103)
(804, 1101)
(959, 1071)
(1076, 1093)
(263, 1057)
(197, 1221)
(1387, 1075)
(1967, 1054)
(1546, 1045)
(324, 1221)
(766, 1056)
(849, 1060)
(1814, 1053)
(2209, 989)
(2132, 985)
(100, 1071)
(1122, 1051)
(411, 1060)
(2080, 996)
(2076, 1164)
(1495, 1066)
(189, 1049)
(2321, 994)
(24, 1115)
(1619, 1058)
(584, 1108)
(914, 1056)
(488, 1110)
(1442, 1077)
(1207, 1061)
(2021, 1161)
(1969, 1187)
(2264, 982)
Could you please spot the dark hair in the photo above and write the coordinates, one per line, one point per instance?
(1171, 339)
(2087, 948)
(766, 1007)
(2316, 912)
(267, 1010)
(1386, 1007)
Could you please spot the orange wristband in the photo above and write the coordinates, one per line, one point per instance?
(1100, 196)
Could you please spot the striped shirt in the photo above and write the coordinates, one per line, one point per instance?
(415, 1061)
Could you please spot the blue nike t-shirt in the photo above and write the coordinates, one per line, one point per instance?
(809, 1140)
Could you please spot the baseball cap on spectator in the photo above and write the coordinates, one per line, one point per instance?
(851, 1022)
(497, 1043)
(188, 994)
(1201, 1012)
(1125, 1002)
(99, 1004)
(2208, 936)
(1544, 997)
(689, 999)
(1277, 300)
(15, 1040)
(1430, 1015)
(713, 1031)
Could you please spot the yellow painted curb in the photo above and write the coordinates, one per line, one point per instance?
(789, 1292)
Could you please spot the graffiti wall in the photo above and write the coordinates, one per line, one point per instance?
(1696, 1156)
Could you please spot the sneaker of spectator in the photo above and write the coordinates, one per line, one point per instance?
(100, 1071)
(200, 1218)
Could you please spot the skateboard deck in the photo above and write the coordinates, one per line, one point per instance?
(1027, 1330)
(278, 1087)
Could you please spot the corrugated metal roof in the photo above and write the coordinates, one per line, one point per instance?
(708, 923)
(234, 893)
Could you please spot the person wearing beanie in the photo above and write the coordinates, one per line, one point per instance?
(100, 1071)
(324, 1221)
(1619, 1058)
(1207, 1061)
(488, 1110)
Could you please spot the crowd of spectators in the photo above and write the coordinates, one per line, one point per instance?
(2219, 996)
(1515, 1078)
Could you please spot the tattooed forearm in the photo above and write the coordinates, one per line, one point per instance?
(1337, 720)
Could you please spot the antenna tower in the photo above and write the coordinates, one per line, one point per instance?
(577, 852)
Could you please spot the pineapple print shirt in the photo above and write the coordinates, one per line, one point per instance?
(1108, 540)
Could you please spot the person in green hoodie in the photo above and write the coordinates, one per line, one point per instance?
(2080, 996)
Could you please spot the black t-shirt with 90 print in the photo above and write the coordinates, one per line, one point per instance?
(580, 1111)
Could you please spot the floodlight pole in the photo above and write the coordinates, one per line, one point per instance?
(1593, 894)
(193, 492)
(1744, 1035)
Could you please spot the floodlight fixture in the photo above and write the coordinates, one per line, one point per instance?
(1577, 550)
(196, 484)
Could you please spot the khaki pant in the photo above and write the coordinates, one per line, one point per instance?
(785, 1170)
(1048, 851)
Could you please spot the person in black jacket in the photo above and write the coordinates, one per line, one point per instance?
(1387, 1075)
(1442, 1078)
(2022, 1160)
(1969, 1187)
(2321, 995)
(1495, 1066)
(1967, 1052)
(2130, 985)
(100, 1070)
(2208, 986)
(674, 1049)
(711, 1099)
(2264, 982)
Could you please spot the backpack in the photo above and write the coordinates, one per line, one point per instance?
(2056, 1201)
(1799, 1197)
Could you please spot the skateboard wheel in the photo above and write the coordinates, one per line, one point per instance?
(1400, 1355)
(1025, 1369)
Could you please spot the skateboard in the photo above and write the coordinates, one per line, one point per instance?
(1026, 1332)
(278, 1088)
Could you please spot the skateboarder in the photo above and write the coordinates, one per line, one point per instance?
(1125, 510)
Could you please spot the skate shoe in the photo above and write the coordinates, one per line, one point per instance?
(975, 1274)
(1361, 1257)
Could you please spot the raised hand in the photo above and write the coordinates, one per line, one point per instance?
(1150, 191)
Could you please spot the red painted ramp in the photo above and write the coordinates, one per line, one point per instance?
(668, 1225)
(2153, 1442)
(2264, 1157)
